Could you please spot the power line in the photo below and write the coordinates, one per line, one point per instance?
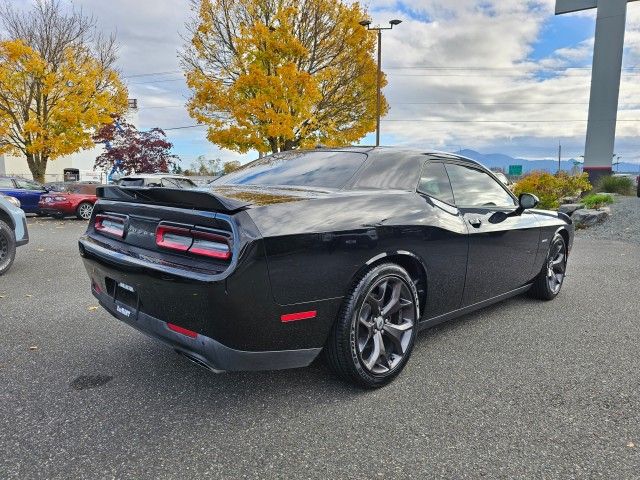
(483, 75)
(152, 74)
(183, 128)
(430, 67)
(162, 106)
(490, 104)
(181, 79)
(532, 67)
(427, 120)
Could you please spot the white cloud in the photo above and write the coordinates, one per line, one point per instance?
(485, 46)
(478, 54)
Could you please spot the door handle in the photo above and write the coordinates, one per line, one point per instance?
(475, 222)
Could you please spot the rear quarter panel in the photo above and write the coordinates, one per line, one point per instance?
(315, 248)
(77, 199)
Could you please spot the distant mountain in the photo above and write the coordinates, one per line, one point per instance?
(499, 160)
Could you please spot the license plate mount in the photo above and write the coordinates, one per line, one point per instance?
(126, 299)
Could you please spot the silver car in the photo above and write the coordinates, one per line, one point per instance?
(13, 230)
(156, 180)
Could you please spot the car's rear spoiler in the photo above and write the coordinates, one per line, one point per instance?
(173, 197)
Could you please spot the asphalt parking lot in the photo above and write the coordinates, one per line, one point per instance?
(523, 389)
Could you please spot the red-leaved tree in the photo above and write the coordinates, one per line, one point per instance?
(133, 150)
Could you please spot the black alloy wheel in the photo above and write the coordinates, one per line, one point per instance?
(7, 247)
(549, 281)
(373, 338)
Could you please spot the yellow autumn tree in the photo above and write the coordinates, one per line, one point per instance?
(56, 88)
(274, 75)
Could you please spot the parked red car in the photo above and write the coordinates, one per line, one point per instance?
(75, 199)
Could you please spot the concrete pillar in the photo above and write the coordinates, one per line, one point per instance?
(605, 87)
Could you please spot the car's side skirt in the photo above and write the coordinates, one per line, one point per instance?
(471, 308)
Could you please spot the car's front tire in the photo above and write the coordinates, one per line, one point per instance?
(373, 337)
(549, 281)
(7, 247)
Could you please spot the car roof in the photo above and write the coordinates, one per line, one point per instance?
(154, 175)
(410, 152)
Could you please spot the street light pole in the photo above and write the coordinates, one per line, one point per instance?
(367, 24)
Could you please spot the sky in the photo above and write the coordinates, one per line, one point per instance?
(496, 76)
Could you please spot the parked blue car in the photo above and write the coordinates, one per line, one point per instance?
(27, 191)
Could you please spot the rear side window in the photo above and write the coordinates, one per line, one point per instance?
(303, 169)
(390, 171)
(169, 182)
(6, 183)
(177, 182)
(185, 183)
(475, 188)
(435, 182)
(132, 182)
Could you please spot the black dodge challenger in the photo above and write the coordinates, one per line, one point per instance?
(349, 250)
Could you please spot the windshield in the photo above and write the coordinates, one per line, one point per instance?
(303, 169)
(28, 184)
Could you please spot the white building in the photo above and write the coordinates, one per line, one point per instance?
(83, 161)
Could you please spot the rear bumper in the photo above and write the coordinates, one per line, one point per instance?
(22, 234)
(234, 320)
(56, 209)
(207, 351)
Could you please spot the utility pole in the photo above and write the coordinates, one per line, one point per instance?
(367, 25)
(559, 155)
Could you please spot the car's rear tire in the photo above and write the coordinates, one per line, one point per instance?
(84, 210)
(373, 337)
(7, 247)
(548, 283)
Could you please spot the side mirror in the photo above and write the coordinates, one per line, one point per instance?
(525, 202)
(528, 201)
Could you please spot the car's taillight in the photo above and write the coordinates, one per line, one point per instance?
(197, 242)
(109, 225)
(174, 238)
(210, 245)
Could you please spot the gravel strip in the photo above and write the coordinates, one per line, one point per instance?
(623, 224)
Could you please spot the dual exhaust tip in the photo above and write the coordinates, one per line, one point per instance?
(198, 361)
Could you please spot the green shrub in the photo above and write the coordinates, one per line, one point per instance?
(551, 188)
(621, 185)
(597, 200)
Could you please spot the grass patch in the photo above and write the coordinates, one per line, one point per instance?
(597, 200)
(620, 185)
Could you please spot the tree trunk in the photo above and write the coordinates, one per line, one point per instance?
(37, 166)
(291, 144)
(273, 144)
